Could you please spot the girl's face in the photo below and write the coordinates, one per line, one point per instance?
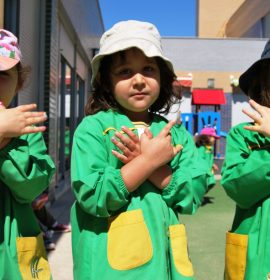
(212, 140)
(135, 81)
(8, 85)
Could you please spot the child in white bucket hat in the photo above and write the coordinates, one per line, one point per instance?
(26, 171)
(132, 170)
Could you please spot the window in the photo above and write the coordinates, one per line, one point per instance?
(211, 83)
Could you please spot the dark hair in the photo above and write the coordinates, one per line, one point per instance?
(102, 99)
(202, 140)
(23, 72)
(260, 85)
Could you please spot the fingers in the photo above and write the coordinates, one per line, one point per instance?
(177, 149)
(130, 140)
(256, 106)
(166, 130)
(148, 133)
(120, 156)
(132, 137)
(27, 107)
(252, 115)
(120, 145)
(35, 114)
(33, 129)
(36, 118)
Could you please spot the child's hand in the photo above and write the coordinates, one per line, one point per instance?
(17, 121)
(262, 120)
(129, 145)
(159, 150)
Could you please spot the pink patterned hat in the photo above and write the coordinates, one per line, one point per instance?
(10, 54)
(210, 131)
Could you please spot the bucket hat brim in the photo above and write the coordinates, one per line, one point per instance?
(129, 34)
(147, 49)
(246, 78)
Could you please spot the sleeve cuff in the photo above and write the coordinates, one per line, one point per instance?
(121, 182)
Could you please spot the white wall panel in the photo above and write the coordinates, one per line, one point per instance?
(240, 101)
(66, 46)
(29, 44)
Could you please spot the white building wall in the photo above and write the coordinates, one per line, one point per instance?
(239, 101)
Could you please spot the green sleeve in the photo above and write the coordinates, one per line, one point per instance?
(98, 186)
(188, 183)
(245, 172)
(26, 169)
(206, 158)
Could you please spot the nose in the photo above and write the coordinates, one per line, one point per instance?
(138, 79)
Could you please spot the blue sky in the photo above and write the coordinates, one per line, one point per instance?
(171, 17)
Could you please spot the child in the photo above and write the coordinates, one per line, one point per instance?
(245, 178)
(25, 172)
(129, 190)
(47, 221)
(205, 142)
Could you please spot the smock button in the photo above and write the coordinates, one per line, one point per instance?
(268, 276)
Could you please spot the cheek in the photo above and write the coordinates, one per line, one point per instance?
(8, 90)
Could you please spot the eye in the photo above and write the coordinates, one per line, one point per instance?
(149, 70)
(124, 72)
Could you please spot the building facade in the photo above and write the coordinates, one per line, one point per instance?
(233, 19)
(231, 35)
(58, 39)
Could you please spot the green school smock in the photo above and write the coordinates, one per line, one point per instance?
(246, 179)
(25, 171)
(121, 235)
(207, 156)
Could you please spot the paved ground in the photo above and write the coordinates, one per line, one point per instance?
(206, 234)
(61, 259)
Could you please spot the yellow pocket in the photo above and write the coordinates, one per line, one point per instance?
(32, 258)
(236, 254)
(129, 242)
(178, 239)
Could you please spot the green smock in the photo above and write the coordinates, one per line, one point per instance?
(121, 235)
(207, 156)
(246, 179)
(25, 171)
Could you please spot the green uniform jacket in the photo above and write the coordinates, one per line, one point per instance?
(246, 179)
(25, 171)
(207, 156)
(121, 235)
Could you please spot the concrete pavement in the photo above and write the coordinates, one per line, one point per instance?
(60, 259)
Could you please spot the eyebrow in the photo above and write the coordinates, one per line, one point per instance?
(124, 61)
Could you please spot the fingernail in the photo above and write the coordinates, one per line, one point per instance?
(113, 139)
(45, 115)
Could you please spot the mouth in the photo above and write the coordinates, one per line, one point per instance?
(139, 94)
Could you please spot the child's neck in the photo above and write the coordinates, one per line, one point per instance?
(140, 117)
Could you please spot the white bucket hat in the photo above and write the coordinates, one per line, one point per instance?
(128, 34)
